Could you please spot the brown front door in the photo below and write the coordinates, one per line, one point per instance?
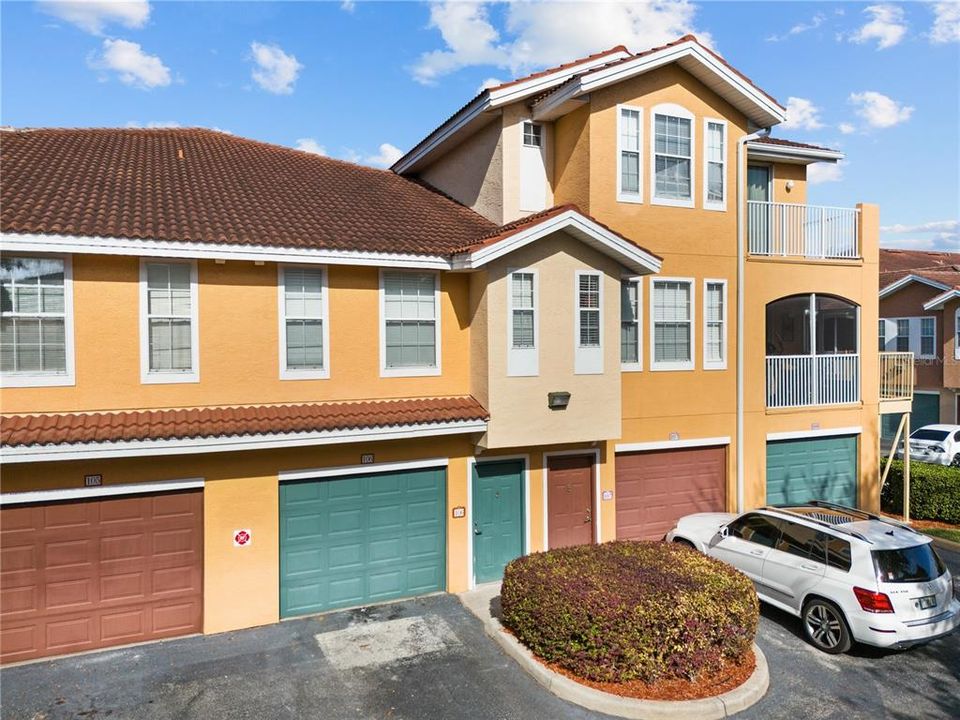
(655, 489)
(89, 574)
(570, 501)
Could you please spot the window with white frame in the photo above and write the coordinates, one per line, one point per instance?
(630, 328)
(630, 121)
(882, 335)
(672, 160)
(589, 308)
(303, 330)
(956, 336)
(672, 320)
(715, 168)
(928, 337)
(169, 306)
(913, 334)
(532, 135)
(35, 321)
(522, 323)
(410, 323)
(715, 325)
(903, 335)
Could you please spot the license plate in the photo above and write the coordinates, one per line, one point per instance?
(925, 603)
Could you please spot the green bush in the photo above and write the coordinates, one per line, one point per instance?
(934, 492)
(630, 610)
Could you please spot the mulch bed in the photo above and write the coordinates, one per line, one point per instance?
(924, 524)
(733, 675)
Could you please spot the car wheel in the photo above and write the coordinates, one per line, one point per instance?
(956, 461)
(825, 627)
(685, 543)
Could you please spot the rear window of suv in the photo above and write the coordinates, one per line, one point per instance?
(907, 565)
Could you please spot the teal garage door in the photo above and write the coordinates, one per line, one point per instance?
(361, 539)
(925, 410)
(812, 469)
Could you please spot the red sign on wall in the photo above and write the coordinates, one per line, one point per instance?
(242, 538)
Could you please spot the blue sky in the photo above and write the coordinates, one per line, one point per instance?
(364, 80)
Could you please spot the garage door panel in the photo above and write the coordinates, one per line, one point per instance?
(812, 469)
(655, 489)
(92, 576)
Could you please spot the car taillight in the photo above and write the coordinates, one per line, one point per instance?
(875, 602)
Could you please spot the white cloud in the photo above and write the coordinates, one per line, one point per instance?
(275, 70)
(348, 6)
(847, 128)
(887, 26)
(540, 34)
(489, 83)
(937, 234)
(153, 124)
(311, 146)
(133, 66)
(94, 15)
(935, 226)
(819, 173)
(946, 23)
(880, 111)
(802, 114)
(387, 156)
(815, 22)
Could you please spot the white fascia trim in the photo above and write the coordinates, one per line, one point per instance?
(826, 432)
(603, 77)
(44, 496)
(938, 302)
(766, 151)
(630, 255)
(95, 245)
(342, 470)
(907, 279)
(193, 446)
(671, 444)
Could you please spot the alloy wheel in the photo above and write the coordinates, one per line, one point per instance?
(824, 627)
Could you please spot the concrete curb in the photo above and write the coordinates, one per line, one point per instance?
(943, 542)
(714, 708)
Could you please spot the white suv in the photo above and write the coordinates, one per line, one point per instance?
(937, 444)
(847, 574)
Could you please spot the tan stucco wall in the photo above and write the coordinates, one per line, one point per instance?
(518, 405)
(908, 302)
(789, 172)
(239, 342)
(472, 172)
(572, 158)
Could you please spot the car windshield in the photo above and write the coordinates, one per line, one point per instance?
(907, 565)
(935, 435)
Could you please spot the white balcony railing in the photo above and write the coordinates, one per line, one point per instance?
(802, 380)
(805, 231)
(896, 376)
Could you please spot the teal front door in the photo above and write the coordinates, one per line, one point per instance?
(497, 517)
(812, 469)
(361, 539)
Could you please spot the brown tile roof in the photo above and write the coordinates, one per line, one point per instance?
(180, 424)
(767, 140)
(197, 185)
(936, 265)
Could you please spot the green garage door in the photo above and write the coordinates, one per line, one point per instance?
(812, 469)
(925, 410)
(361, 539)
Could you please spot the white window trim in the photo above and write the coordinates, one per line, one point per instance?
(713, 204)
(523, 134)
(672, 110)
(638, 365)
(51, 379)
(915, 327)
(714, 364)
(523, 362)
(295, 373)
(920, 353)
(587, 360)
(667, 366)
(630, 197)
(437, 313)
(147, 377)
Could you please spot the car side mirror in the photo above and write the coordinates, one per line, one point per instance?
(724, 532)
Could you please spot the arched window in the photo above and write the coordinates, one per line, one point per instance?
(812, 325)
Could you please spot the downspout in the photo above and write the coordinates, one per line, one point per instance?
(741, 271)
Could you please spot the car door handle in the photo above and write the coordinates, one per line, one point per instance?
(758, 553)
(805, 566)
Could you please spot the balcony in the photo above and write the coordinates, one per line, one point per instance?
(896, 376)
(776, 229)
(804, 380)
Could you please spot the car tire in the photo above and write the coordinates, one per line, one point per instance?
(825, 627)
(956, 461)
(685, 543)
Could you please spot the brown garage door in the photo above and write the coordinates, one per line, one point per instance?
(89, 574)
(655, 489)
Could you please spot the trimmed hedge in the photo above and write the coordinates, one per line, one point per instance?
(630, 610)
(934, 491)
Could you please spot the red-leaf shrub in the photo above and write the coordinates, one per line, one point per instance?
(630, 610)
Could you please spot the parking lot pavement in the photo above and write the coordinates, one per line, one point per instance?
(430, 659)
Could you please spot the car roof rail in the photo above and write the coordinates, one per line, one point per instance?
(786, 510)
(856, 512)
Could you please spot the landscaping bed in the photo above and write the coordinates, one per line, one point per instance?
(634, 619)
(934, 492)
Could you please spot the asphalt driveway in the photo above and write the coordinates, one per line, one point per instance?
(429, 658)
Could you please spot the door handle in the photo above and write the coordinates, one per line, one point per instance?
(758, 553)
(809, 567)
(589, 517)
(477, 530)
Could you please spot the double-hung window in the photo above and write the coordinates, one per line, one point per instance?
(672, 321)
(169, 338)
(410, 308)
(913, 334)
(304, 331)
(715, 166)
(956, 337)
(715, 324)
(523, 324)
(36, 334)
(630, 127)
(928, 337)
(630, 325)
(903, 335)
(532, 135)
(588, 350)
(672, 160)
